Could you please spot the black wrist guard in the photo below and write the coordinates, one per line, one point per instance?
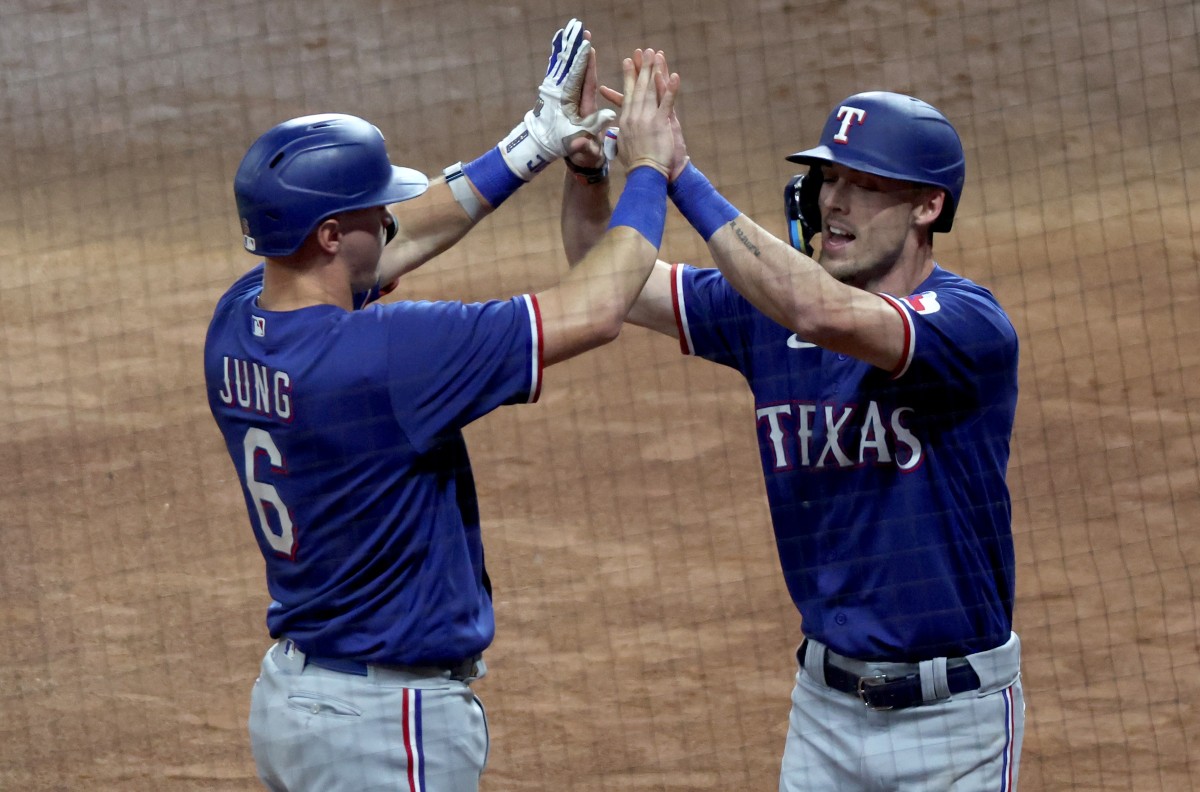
(588, 175)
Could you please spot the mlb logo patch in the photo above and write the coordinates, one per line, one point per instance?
(259, 326)
(247, 240)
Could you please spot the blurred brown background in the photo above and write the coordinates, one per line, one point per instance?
(644, 632)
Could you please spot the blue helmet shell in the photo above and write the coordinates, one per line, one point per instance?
(304, 170)
(895, 136)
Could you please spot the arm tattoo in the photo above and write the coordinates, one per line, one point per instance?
(745, 240)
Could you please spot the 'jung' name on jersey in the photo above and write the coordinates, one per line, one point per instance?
(794, 429)
(254, 387)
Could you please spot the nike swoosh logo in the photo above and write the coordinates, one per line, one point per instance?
(795, 343)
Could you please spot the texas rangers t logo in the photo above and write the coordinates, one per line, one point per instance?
(848, 115)
(924, 303)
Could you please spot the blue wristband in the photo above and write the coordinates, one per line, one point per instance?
(643, 204)
(699, 202)
(492, 177)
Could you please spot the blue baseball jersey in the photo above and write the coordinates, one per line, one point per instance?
(887, 489)
(344, 428)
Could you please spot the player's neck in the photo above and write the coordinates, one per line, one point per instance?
(903, 277)
(291, 285)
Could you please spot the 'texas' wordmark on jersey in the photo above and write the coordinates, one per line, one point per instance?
(810, 435)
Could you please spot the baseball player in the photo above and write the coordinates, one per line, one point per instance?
(884, 393)
(343, 419)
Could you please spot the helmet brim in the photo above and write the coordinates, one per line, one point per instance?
(823, 155)
(812, 156)
(406, 184)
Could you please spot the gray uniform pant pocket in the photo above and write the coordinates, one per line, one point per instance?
(316, 729)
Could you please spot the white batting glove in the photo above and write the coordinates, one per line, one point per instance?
(554, 120)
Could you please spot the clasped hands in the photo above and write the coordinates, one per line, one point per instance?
(567, 122)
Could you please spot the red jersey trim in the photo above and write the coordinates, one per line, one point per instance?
(681, 323)
(909, 344)
(537, 364)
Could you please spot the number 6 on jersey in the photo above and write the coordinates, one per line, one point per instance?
(256, 441)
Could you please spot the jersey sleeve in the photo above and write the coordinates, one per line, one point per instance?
(958, 337)
(712, 318)
(450, 362)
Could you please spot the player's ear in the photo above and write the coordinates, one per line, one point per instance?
(328, 235)
(928, 205)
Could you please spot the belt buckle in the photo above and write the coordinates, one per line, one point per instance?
(866, 684)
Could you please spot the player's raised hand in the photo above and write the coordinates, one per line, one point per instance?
(646, 110)
(579, 89)
(585, 151)
(679, 157)
(555, 118)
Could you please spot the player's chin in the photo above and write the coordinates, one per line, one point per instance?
(835, 260)
(844, 268)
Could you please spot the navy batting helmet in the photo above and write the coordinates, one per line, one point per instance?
(307, 169)
(887, 134)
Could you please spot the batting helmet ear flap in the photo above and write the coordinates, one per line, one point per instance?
(803, 214)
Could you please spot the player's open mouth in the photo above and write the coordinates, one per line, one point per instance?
(836, 237)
